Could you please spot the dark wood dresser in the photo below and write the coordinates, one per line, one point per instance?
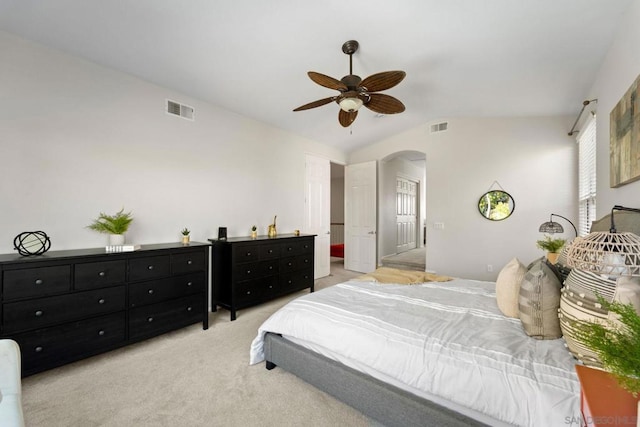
(248, 271)
(64, 306)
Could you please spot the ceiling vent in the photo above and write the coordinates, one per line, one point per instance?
(439, 127)
(180, 110)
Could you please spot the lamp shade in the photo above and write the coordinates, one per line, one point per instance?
(610, 254)
(551, 227)
(351, 104)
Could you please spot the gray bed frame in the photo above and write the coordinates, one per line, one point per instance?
(381, 402)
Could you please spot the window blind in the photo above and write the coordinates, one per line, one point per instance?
(587, 176)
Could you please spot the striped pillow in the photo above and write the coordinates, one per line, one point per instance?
(539, 300)
(579, 303)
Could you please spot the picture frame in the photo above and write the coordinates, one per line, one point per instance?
(624, 138)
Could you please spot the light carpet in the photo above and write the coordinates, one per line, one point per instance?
(188, 377)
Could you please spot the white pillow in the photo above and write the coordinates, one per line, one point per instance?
(508, 287)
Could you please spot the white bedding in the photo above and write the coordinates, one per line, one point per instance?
(443, 339)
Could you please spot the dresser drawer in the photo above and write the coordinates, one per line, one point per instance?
(245, 253)
(35, 282)
(251, 270)
(54, 346)
(296, 247)
(149, 267)
(296, 280)
(270, 251)
(158, 318)
(41, 312)
(296, 263)
(99, 274)
(187, 262)
(144, 293)
(255, 290)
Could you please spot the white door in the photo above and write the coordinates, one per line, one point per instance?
(406, 214)
(360, 225)
(317, 210)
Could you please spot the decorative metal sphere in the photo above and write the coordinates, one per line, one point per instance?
(32, 243)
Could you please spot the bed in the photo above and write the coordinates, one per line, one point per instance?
(433, 353)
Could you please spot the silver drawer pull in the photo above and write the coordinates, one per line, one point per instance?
(39, 313)
(189, 262)
(150, 319)
(306, 261)
(38, 349)
(189, 309)
(150, 291)
(248, 292)
(248, 253)
(271, 267)
(101, 301)
(270, 251)
(189, 283)
(101, 332)
(248, 271)
(289, 282)
(102, 274)
(289, 248)
(38, 282)
(289, 264)
(270, 286)
(150, 267)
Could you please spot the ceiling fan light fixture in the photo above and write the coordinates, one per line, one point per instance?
(351, 104)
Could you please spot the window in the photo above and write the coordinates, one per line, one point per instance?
(587, 176)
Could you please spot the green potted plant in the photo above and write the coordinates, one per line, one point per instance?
(185, 236)
(552, 246)
(617, 343)
(114, 225)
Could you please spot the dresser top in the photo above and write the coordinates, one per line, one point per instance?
(261, 238)
(72, 253)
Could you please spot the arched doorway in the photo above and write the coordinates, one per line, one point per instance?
(401, 207)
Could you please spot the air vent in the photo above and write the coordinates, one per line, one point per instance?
(180, 110)
(439, 127)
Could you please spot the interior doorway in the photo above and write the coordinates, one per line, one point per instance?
(402, 207)
(337, 215)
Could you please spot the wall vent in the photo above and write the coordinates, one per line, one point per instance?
(180, 110)
(439, 127)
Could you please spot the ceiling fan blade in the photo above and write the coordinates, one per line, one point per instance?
(315, 104)
(383, 81)
(384, 104)
(346, 118)
(327, 81)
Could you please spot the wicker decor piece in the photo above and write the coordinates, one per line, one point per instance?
(611, 254)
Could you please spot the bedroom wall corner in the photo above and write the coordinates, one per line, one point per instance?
(620, 68)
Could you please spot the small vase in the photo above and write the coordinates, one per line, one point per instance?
(254, 234)
(552, 257)
(116, 239)
(185, 240)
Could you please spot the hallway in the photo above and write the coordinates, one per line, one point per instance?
(414, 259)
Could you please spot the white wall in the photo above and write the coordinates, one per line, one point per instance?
(77, 139)
(533, 159)
(619, 70)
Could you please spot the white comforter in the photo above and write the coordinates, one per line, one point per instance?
(437, 339)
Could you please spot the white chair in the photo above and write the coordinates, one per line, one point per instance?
(10, 385)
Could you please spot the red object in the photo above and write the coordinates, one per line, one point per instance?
(603, 402)
(337, 250)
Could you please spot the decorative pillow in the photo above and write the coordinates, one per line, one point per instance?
(578, 303)
(539, 299)
(508, 287)
(562, 266)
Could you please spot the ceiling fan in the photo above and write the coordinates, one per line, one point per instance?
(355, 92)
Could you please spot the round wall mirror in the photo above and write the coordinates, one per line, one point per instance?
(496, 205)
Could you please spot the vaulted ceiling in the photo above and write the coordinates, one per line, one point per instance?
(462, 57)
